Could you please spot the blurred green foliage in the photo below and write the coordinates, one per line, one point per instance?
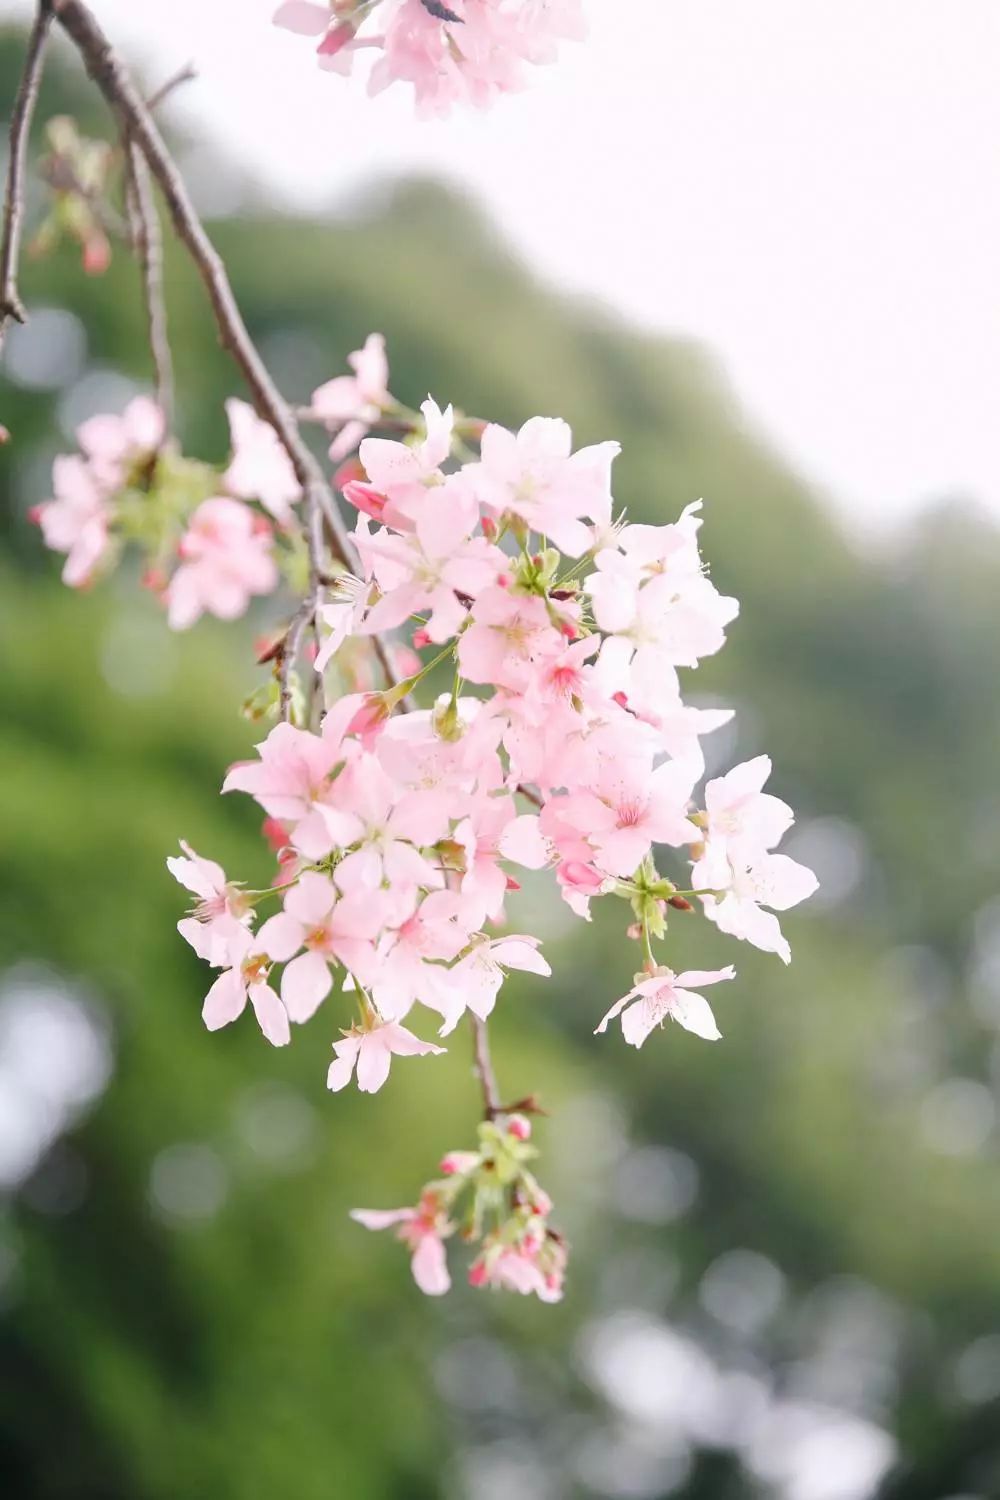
(270, 1347)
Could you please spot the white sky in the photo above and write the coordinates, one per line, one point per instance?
(810, 186)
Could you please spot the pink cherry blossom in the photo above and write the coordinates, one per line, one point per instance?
(384, 827)
(245, 977)
(219, 908)
(76, 521)
(535, 476)
(225, 560)
(432, 570)
(654, 696)
(292, 780)
(651, 597)
(494, 831)
(462, 52)
(331, 928)
(403, 472)
(664, 995)
(410, 967)
(115, 447)
(416, 755)
(742, 816)
(519, 1268)
(468, 52)
(260, 469)
(353, 402)
(476, 978)
(423, 1230)
(371, 1050)
(744, 887)
(629, 809)
(507, 630)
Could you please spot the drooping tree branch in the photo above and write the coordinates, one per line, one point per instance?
(11, 305)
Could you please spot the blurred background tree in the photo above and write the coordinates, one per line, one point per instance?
(785, 1276)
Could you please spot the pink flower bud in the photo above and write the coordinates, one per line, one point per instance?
(420, 639)
(369, 718)
(489, 528)
(96, 254)
(275, 833)
(478, 1274)
(519, 1126)
(336, 39)
(350, 469)
(365, 498)
(155, 580)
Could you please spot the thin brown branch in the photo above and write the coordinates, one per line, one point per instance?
(291, 646)
(147, 244)
(484, 1068)
(307, 614)
(183, 75)
(11, 305)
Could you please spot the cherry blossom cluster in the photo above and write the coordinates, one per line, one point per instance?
(556, 738)
(479, 686)
(450, 51)
(490, 1199)
(210, 539)
(206, 548)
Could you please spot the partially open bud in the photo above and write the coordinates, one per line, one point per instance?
(457, 1163)
(341, 36)
(365, 498)
(369, 718)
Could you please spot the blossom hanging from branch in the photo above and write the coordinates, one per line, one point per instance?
(462, 52)
(481, 678)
